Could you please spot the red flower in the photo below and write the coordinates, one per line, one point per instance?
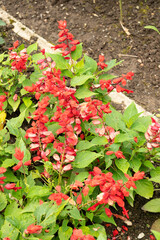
(108, 212)
(119, 154)
(115, 233)
(18, 166)
(62, 24)
(2, 170)
(33, 229)
(19, 154)
(79, 199)
(16, 44)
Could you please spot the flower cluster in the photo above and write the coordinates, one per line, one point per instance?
(2, 100)
(8, 186)
(19, 155)
(31, 229)
(114, 84)
(66, 39)
(153, 135)
(78, 235)
(38, 133)
(20, 59)
(111, 191)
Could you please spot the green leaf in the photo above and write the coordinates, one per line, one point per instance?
(2, 57)
(32, 48)
(2, 23)
(122, 164)
(135, 164)
(9, 231)
(152, 206)
(80, 80)
(156, 226)
(84, 92)
(27, 101)
(64, 234)
(141, 124)
(152, 27)
(155, 179)
(148, 164)
(37, 56)
(77, 53)
(144, 188)
(130, 114)
(1, 41)
(8, 163)
(38, 191)
(83, 145)
(111, 64)
(156, 234)
(106, 76)
(21, 78)
(84, 158)
(61, 63)
(10, 175)
(74, 213)
(15, 123)
(99, 140)
(3, 201)
(90, 64)
(14, 104)
(155, 172)
(123, 137)
(1, 222)
(114, 120)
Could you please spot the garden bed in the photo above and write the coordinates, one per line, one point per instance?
(141, 221)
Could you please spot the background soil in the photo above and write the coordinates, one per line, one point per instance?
(97, 26)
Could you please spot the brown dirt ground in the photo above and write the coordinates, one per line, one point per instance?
(97, 26)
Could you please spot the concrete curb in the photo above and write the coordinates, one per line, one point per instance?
(26, 33)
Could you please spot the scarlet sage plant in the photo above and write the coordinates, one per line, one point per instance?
(72, 157)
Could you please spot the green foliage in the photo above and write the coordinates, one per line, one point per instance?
(61, 153)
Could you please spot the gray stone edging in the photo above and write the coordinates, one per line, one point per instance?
(26, 33)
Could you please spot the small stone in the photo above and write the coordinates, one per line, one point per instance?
(141, 235)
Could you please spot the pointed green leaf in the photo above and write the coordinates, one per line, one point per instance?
(141, 124)
(114, 120)
(84, 92)
(84, 158)
(3, 201)
(152, 206)
(14, 104)
(122, 164)
(77, 53)
(90, 64)
(32, 48)
(80, 80)
(144, 188)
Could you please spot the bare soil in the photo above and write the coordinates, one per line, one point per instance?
(97, 26)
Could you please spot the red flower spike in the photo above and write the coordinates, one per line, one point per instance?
(31, 229)
(108, 212)
(152, 237)
(115, 233)
(79, 199)
(62, 24)
(2, 170)
(19, 154)
(16, 44)
(119, 154)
